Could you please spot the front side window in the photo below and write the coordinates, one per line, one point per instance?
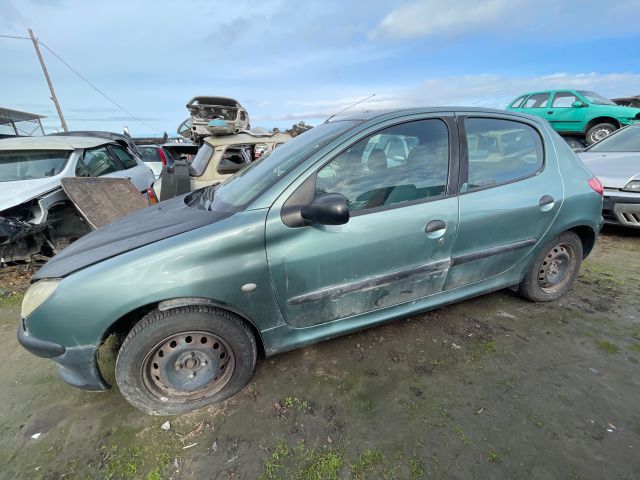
(501, 151)
(539, 100)
(125, 157)
(564, 100)
(96, 162)
(403, 163)
(31, 164)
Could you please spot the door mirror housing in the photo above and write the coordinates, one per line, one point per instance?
(327, 209)
(578, 104)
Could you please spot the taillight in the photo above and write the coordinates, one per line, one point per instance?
(596, 185)
(153, 199)
(163, 157)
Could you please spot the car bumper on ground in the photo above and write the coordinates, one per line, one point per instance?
(621, 208)
(77, 366)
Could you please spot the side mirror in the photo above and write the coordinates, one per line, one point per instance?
(578, 104)
(328, 209)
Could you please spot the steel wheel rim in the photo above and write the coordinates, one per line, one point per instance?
(599, 134)
(556, 268)
(188, 366)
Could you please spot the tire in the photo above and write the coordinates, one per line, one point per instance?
(545, 280)
(598, 132)
(179, 360)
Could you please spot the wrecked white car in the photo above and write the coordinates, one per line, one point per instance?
(213, 116)
(36, 216)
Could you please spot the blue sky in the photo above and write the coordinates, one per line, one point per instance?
(288, 61)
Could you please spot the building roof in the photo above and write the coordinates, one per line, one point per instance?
(51, 143)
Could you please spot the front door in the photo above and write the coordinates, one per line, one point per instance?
(511, 192)
(397, 244)
(563, 116)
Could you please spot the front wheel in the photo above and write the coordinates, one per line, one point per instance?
(598, 132)
(183, 359)
(553, 270)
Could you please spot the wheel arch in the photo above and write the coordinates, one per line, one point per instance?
(602, 119)
(587, 236)
(123, 325)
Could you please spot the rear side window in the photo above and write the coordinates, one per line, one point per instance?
(150, 154)
(539, 100)
(518, 102)
(96, 162)
(501, 151)
(403, 163)
(125, 157)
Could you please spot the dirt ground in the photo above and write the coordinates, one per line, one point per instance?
(490, 388)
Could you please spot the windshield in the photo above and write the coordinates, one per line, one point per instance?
(625, 140)
(31, 164)
(595, 98)
(238, 191)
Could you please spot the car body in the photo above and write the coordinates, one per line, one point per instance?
(313, 241)
(34, 209)
(213, 116)
(577, 112)
(616, 162)
(220, 157)
(157, 156)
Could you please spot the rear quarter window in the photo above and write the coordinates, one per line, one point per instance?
(501, 151)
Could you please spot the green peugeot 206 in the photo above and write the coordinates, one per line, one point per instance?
(577, 112)
(355, 222)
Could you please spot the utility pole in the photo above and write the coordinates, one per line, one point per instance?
(46, 74)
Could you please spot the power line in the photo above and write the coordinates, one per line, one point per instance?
(85, 80)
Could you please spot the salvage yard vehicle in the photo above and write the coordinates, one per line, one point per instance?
(213, 116)
(157, 156)
(323, 236)
(222, 156)
(616, 161)
(36, 217)
(577, 112)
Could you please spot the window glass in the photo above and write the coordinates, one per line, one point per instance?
(563, 100)
(539, 100)
(149, 154)
(402, 163)
(31, 164)
(625, 140)
(235, 158)
(96, 162)
(501, 151)
(518, 102)
(125, 157)
(201, 160)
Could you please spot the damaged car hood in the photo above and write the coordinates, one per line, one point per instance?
(20, 191)
(136, 230)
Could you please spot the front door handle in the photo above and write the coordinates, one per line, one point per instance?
(434, 226)
(549, 111)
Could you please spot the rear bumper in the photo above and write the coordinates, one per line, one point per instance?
(77, 366)
(621, 208)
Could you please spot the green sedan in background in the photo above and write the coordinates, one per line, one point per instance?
(577, 112)
(328, 234)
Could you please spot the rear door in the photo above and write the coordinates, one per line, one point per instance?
(135, 170)
(536, 104)
(397, 244)
(511, 191)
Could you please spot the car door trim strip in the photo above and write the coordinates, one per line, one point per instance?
(369, 282)
(489, 252)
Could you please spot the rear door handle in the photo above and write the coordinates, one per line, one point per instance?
(434, 226)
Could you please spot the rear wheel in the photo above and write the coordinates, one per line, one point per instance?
(553, 270)
(598, 132)
(182, 359)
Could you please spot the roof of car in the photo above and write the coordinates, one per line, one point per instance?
(368, 115)
(246, 137)
(51, 143)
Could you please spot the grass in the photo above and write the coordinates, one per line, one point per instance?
(366, 463)
(635, 348)
(608, 347)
